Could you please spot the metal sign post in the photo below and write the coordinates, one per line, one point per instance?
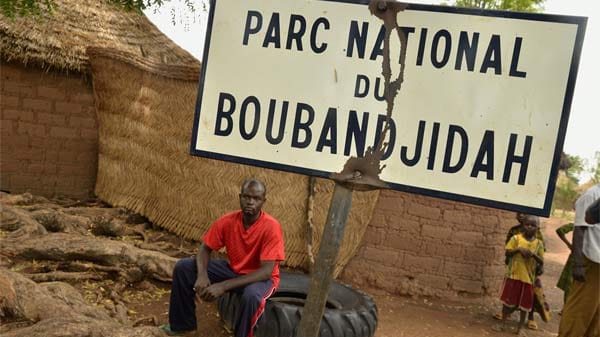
(358, 173)
(323, 269)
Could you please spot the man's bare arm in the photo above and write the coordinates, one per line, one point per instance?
(562, 236)
(202, 258)
(261, 274)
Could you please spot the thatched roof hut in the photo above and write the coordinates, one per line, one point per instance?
(144, 89)
(58, 40)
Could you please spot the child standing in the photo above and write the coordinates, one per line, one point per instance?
(524, 252)
(539, 300)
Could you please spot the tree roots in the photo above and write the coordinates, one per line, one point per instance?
(36, 229)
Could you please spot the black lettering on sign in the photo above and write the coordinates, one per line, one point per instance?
(447, 47)
(514, 63)
(418, 147)
(361, 91)
(273, 34)
(378, 47)
(294, 35)
(421, 49)
(224, 114)
(511, 158)
(282, 119)
(249, 29)
(486, 152)
(358, 131)
(328, 135)
(407, 31)
(357, 37)
(247, 135)
(304, 126)
(433, 146)
(362, 85)
(492, 58)
(464, 147)
(466, 49)
(391, 132)
(379, 92)
(313, 35)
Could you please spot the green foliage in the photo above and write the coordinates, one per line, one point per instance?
(595, 168)
(565, 193)
(507, 5)
(567, 183)
(577, 166)
(141, 5)
(14, 8)
(183, 12)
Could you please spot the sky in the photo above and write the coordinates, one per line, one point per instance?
(583, 132)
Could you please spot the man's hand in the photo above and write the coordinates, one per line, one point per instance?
(579, 273)
(212, 292)
(202, 282)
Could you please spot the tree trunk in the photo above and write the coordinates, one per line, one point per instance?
(58, 310)
(66, 247)
(47, 232)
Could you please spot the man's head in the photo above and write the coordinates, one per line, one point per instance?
(530, 223)
(521, 217)
(252, 197)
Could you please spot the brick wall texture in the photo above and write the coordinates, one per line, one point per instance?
(421, 246)
(414, 245)
(49, 133)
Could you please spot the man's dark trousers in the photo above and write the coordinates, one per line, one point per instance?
(182, 308)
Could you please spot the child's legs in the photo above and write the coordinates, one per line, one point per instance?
(506, 311)
(523, 314)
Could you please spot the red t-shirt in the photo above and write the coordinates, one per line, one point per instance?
(263, 241)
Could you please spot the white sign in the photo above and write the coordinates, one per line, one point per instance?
(296, 85)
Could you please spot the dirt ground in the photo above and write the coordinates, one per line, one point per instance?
(401, 316)
(147, 301)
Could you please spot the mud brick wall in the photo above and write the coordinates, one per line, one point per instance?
(49, 133)
(421, 246)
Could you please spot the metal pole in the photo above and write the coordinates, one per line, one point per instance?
(323, 269)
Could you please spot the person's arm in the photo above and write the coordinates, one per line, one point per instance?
(512, 232)
(202, 258)
(512, 248)
(581, 206)
(538, 259)
(577, 251)
(562, 230)
(525, 252)
(263, 273)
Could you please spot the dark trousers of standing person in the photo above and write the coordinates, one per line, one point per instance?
(182, 306)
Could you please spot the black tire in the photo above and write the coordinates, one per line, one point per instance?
(349, 313)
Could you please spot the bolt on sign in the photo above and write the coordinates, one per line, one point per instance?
(297, 85)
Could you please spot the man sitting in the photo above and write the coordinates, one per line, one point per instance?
(254, 243)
